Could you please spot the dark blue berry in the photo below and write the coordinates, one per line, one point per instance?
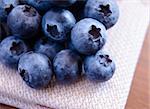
(99, 67)
(88, 36)
(35, 69)
(11, 49)
(57, 23)
(67, 66)
(105, 11)
(24, 21)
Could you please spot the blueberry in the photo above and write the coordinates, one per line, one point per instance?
(63, 3)
(35, 69)
(88, 36)
(99, 67)
(11, 49)
(57, 23)
(47, 47)
(67, 66)
(24, 21)
(5, 7)
(40, 5)
(105, 11)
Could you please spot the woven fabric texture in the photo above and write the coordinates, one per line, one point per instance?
(124, 44)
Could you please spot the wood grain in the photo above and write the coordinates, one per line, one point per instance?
(139, 96)
(2, 106)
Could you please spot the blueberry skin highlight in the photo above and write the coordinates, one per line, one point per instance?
(67, 66)
(11, 49)
(41, 5)
(5, 7)
(99, 67)
(88, 36)
(24, 21)
(63, 3)
(57, 23)
(35, 69)
(47, 47)
(105, 11)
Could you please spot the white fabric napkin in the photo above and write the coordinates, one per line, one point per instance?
(124, 44)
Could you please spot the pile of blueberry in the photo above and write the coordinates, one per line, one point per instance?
(47, 39)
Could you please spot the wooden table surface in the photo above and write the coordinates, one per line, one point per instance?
(139, 96)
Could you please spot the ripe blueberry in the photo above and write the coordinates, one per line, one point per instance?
(24, 21)
(67, 66)
(11, 49)
(35, 69)
(88, 36)
(99, 67)
(57, 23)
(105, 11)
